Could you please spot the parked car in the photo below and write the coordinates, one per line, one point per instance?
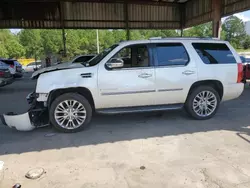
(245, 60)
(79, 59)
(5, 75)
(137, 76)
(83, 58)
(34, 66)
(15, 67)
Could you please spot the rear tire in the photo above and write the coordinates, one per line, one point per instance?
(70, 112)
(202, 103)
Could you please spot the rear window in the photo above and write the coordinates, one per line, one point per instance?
(9, 62)
(214, 53)
(170, 54)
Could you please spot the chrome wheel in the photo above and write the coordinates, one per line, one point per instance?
(70, 114)
(204, 103)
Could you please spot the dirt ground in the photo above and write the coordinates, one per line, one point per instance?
(131, 151)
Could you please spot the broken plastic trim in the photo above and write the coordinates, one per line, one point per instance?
(20, 122)
(37, 116)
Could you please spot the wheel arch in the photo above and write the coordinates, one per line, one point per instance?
(80, 90)
(216, 84)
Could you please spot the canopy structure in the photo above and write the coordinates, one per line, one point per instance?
(117, 14)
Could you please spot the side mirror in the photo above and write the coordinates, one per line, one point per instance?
(115, 63)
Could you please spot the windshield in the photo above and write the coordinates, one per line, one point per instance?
(99, 57)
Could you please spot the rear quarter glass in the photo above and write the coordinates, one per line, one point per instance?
(214, 53)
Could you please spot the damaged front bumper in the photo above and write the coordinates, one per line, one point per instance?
(37, 116)
(19, 122)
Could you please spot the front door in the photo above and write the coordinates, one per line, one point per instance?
(131, 85)
(175, 73)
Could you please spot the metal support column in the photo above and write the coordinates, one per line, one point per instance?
(217, 12)
(127, 34)
(181, 32)
(63, 31)
(182, 18)
(126, 21)
(64, 42)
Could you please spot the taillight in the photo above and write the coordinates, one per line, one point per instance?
(1, 73)
(240, 72)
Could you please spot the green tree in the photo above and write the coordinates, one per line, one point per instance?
(72, 42)
(9, 45)
(31, 40)
(234, 31)
(3, 51)
(14, 49)
(51, 41)
(246, 42)
(87, 41)
(203, 30)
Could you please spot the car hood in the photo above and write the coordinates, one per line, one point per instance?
(63, 66)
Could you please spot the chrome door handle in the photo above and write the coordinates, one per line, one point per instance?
(188, 72)
(145, 75)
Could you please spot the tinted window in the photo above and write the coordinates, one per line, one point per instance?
(171, 54)
(134, 56)
(9, 62)
(214, 53)
(3, 65)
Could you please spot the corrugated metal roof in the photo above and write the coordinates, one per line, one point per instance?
(198, 11)
(108, 14)
(234, 6)
(91, 15)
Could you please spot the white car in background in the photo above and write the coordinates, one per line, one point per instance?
(79, 59)
(31, 67)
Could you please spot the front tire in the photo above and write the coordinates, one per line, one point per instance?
(202, 103)
(70, 113)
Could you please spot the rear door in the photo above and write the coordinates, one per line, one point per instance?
(175, 72)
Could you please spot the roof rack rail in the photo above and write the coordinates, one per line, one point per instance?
(184, 38)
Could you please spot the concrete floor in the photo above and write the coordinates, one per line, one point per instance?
(175, 150)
